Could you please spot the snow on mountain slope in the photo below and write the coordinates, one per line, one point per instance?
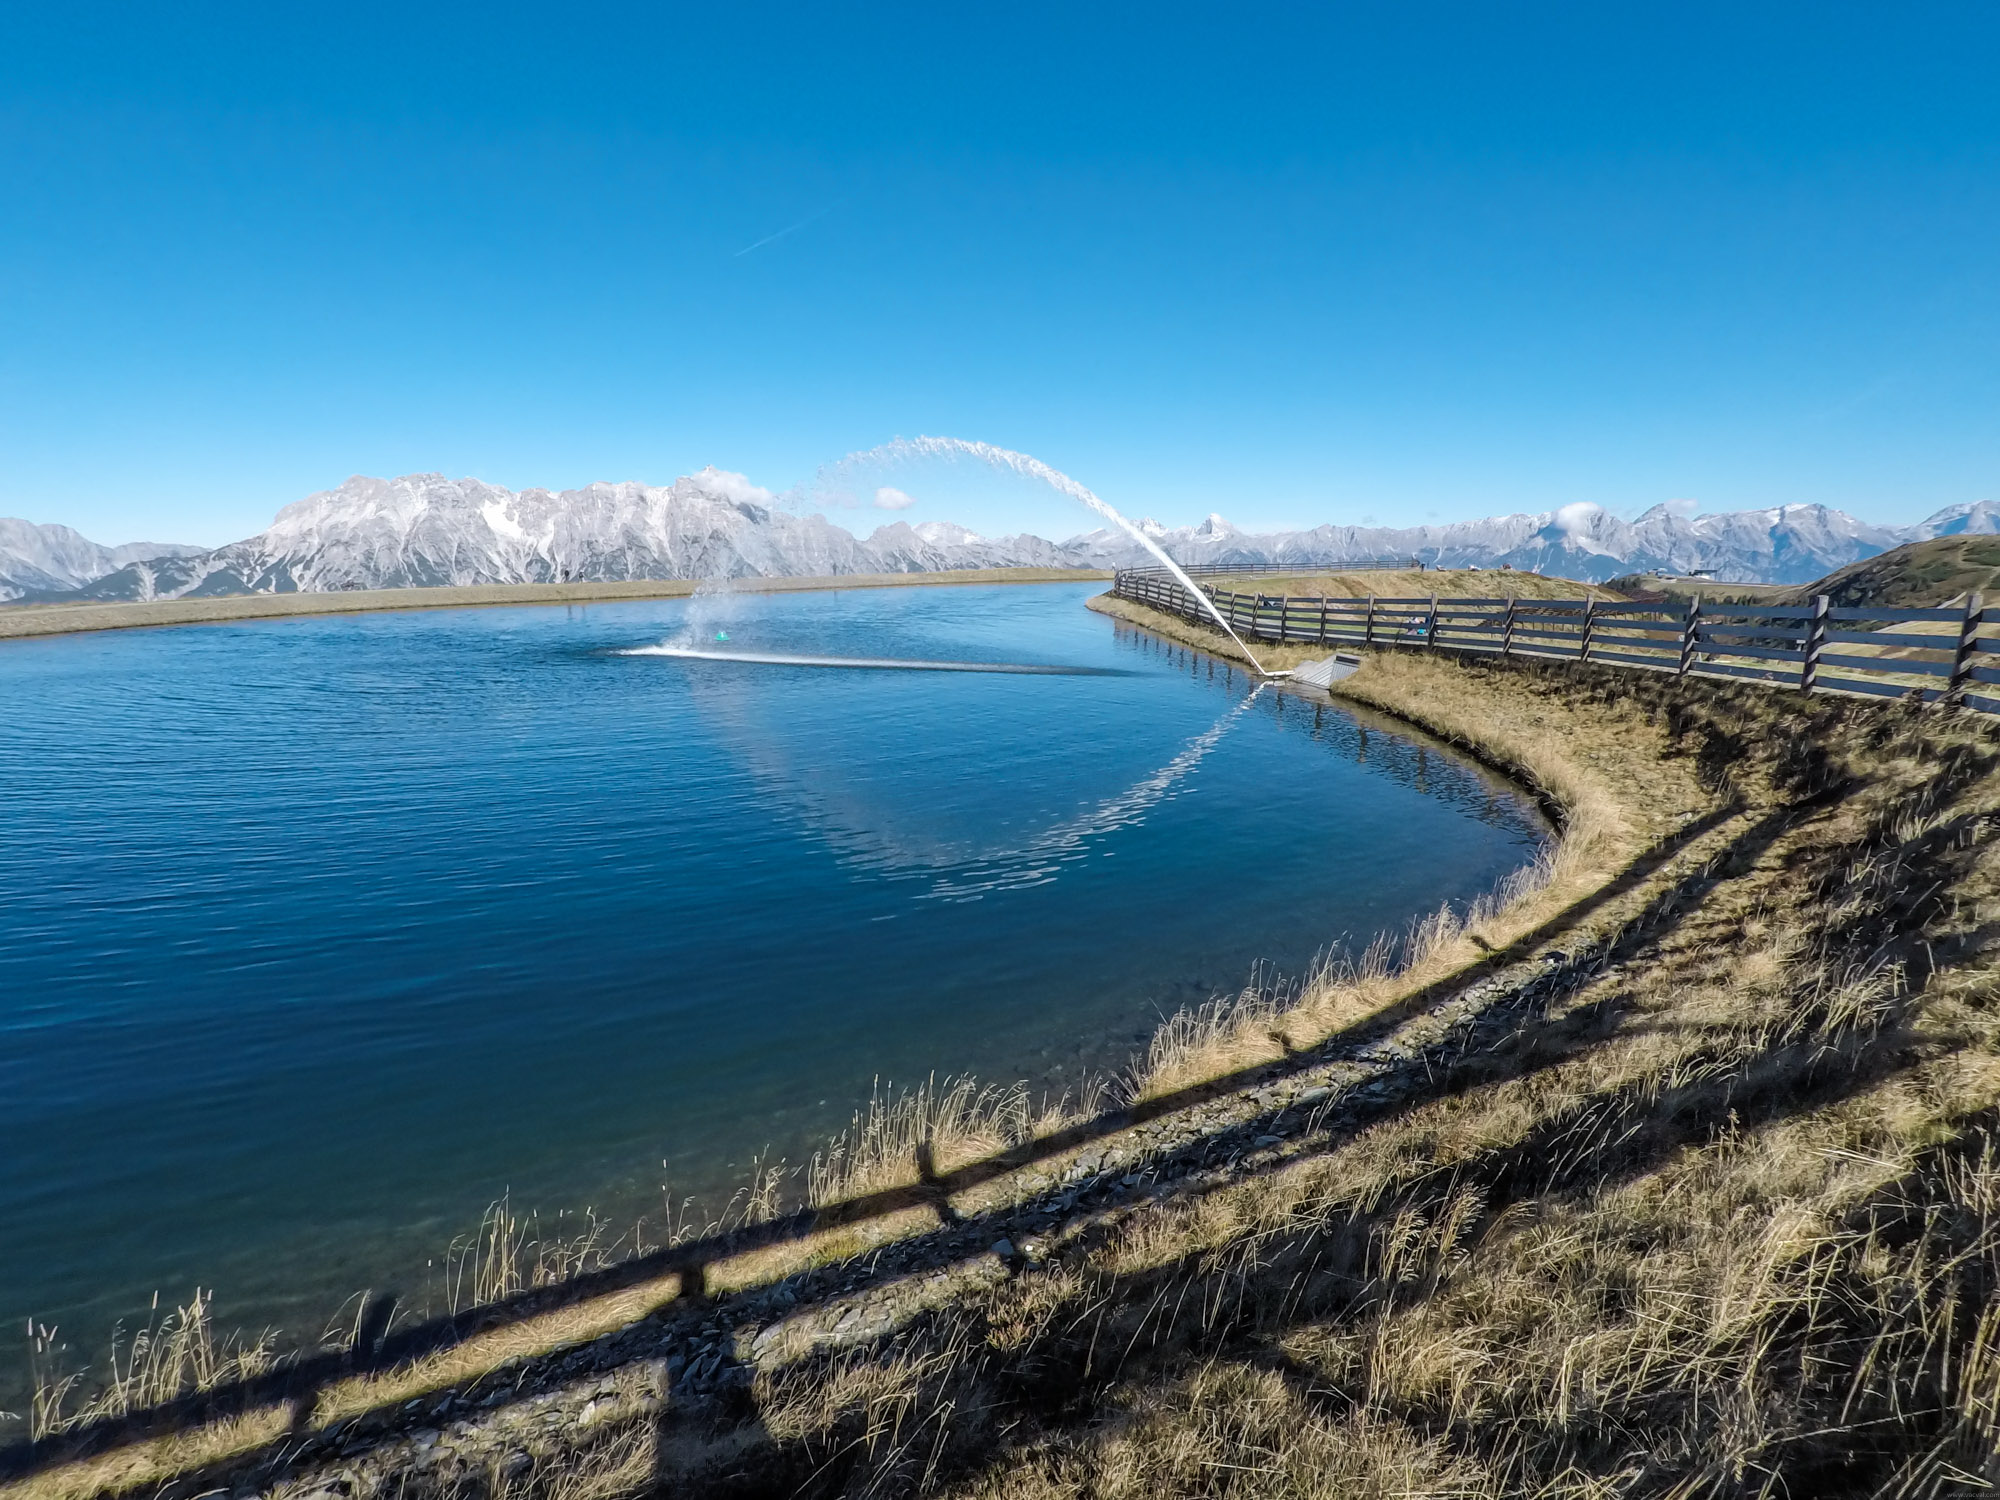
(1981, 518)
(40, 558)
(1788, 544)
(425, 529)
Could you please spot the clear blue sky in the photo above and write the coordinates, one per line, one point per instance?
(1289, 263)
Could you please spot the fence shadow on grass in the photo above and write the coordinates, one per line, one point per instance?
(1326, 1270)
(299, 1381)
(1325, 1273)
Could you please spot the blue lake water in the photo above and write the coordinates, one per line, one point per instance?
(318, 935)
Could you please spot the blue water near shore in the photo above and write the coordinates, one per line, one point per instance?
(317, 935)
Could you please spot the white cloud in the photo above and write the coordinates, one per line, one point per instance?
(887, 498)
(733, 486)
(1576, 519)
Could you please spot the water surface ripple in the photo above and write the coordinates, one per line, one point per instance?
(316, 935)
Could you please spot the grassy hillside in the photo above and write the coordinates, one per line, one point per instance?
(1918, 576)
(1921, 575)
(1669, 1171)
(1450, 583)
(1652, 587)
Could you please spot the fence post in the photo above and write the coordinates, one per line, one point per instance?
(1815, 643)
(1589, 621)
(1507, 630)
(1284, 618)
(1368, 624)
(1690, 631)
(1968, 647)
(1431, 626)
(1322, 619)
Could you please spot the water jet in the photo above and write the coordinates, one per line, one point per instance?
(1320, 674)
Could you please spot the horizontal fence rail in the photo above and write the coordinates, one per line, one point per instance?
(1925, 655)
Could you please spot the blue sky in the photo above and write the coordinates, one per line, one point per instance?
(1292, 264)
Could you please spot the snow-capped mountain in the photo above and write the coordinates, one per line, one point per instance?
(1980, 518)
(1789, 544)
(425, 529)
(41, 558)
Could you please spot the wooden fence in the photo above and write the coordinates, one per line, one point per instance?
(1922, 654)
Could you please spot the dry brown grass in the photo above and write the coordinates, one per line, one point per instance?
(176, 1352)
(902, 1136)
(1407, 583)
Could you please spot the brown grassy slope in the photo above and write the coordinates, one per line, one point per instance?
(1921, 575)
(1450, 583)
(1689, 1190)
(18, 620)
(1649, 588)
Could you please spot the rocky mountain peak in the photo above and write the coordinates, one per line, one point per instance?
(419, 529)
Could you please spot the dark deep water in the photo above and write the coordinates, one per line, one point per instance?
(318, 935)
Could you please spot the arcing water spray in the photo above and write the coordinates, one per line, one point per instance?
(1033, 468)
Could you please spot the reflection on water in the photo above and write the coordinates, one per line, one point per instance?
(875, 833)
(1359, 734)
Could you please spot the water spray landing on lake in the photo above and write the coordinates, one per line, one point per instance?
(876, 663)
(1029, 467)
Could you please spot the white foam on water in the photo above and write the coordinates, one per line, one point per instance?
(879, 663)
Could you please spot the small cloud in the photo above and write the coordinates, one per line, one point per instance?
(888, 498)
(733, 486)
(1576, 518)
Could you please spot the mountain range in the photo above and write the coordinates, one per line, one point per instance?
(1786, 544)
(425, 529)
(54, 558)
